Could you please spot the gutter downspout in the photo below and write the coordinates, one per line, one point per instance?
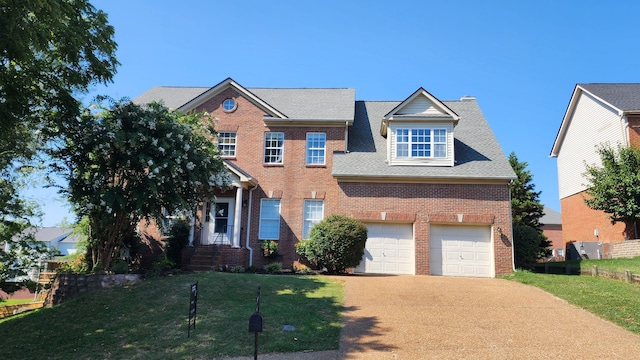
(513, 245)
(247, 242)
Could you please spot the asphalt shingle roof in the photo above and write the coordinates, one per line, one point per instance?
(477, 152)
(312, 104)
(625, 97)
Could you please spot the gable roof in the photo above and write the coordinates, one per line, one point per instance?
(623, 97)
(550, 217)
(311, 104)
(478, 155)
(420, 105)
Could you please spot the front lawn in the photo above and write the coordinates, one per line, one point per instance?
(613, 300)
(149, 320)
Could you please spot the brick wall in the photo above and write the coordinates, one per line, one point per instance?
(554, 234)
(579, 222)
(434, 203)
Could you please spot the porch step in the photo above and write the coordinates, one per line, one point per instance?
(203, 259)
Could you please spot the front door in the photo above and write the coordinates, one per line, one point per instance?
(218, 222)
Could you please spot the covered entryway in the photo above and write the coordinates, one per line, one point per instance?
(461, 251)
(389, 250)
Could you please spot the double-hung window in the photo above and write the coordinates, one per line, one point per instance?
(313, 214)
(273, 147)
(227, 143)
(269, 219)
(316, 145)
(421, 143)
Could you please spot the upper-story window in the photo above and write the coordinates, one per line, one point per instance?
(316, 144)
(227, 143)
(273, 147)
(421, 143)
(229, 105)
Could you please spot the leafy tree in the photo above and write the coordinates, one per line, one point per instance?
(526, 211)
(614, 187)
(126, 163)
(50, 52)
(337, 243)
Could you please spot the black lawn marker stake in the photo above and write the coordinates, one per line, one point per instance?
(193, 304)
(255, 325)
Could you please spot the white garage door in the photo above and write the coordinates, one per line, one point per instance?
(389, 250)
(461, 251)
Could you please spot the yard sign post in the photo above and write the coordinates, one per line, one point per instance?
(255, 325)
(193, 304)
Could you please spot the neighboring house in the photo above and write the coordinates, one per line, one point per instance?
(426, 176)
(552, 228)
(60, 241)
(597, 114)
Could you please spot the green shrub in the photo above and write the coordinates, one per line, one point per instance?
(336, 243)
(527, 243)
(79, 264)
(273, 268)
(177, 240)
(119, 266)
(237, 269)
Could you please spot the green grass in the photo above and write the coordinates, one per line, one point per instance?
(149, 320)
(617, 265)
(9, 302)
(613, 300)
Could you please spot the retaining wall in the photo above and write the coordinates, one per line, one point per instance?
(69, 286)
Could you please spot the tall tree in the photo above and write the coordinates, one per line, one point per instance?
(50, 51)
(526, 208)
(530, 243)
(614, 187)
(127, 162)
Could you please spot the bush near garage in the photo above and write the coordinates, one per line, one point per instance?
(336, 243)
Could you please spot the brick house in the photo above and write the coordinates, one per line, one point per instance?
(426, 176)
(552, 229)
(596, 114)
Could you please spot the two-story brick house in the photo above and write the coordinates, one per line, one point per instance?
(427, 177)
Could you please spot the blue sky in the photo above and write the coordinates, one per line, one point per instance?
(520, 59)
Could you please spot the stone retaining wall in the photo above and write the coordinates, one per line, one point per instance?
(69, 286)
(626, 249)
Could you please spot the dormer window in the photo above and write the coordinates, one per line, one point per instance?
(419, 132)
(421, 143)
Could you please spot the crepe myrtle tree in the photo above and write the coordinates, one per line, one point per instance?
(125, 163)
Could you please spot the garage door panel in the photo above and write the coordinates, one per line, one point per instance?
(389, 249)
(461, 251)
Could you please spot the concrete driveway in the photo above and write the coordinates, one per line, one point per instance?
(429, 317)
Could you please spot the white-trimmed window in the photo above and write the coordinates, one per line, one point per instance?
(421, 143)
(269, 219)
(560, 252)
(316, 144)
(273, 147)
(313, 214)
(227, 143)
